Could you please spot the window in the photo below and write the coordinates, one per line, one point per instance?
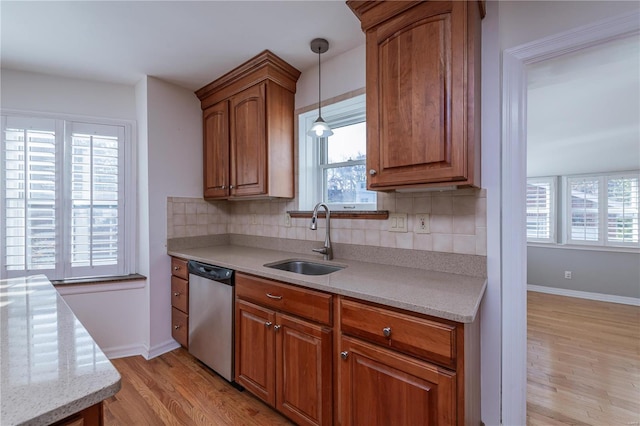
(333, 169)
(603, 210)
(64, 187)
(541, 214)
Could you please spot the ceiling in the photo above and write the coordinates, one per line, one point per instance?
(187, 43)
(584, 111)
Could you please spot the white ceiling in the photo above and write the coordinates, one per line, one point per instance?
(187, 43)
(584, 111)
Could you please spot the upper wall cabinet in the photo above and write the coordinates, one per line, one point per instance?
(423, 92)
(248, 130)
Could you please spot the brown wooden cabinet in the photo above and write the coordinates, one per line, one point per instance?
(423, 92)
(180, 301)
(281, 356)
(248, 127)
(397, 367)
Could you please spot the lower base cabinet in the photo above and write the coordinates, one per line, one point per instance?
(282, 359)
(381, 387)
(90, 416)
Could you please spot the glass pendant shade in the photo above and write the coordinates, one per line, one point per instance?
(320, 129)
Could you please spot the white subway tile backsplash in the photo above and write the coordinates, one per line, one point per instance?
(442, 204)
(443, 242)
(464, 225)
(464, 244)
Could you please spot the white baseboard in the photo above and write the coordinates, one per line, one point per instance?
(585, 295)
(124, 351)
(160, 349)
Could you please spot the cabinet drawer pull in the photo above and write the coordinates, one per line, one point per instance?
(176, 268)
(386, 331)
(268, 324)
(176, 294)
(373, 172)
(177, 327)
(344, 354)
(271, 296)
(277, 327)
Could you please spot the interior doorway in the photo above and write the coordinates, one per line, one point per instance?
(513, 222)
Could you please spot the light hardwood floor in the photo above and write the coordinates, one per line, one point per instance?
(583, 369)
(176, 389)
(583, 362)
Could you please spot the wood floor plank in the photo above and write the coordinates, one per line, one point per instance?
(583, 362)
(176, 389)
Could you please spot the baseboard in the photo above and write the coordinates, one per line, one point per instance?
(160, 349)
(585, 295)
(124, 351)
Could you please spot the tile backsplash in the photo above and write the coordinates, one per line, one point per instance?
(457, 221)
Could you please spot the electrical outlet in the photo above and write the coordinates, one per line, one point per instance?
(287, 220)
(254, 219)
(567, 275)
(422, 224)
(398, 222)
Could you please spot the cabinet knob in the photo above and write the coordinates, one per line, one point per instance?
(373, 172)
(276, 327)
(344, 354)
(176, 294)
(230, 186)
(177, 327)
(268, 324)
(223, 187)
(386, 331)
(176, 268)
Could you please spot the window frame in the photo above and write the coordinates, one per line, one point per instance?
(312, 153)
(127, 189)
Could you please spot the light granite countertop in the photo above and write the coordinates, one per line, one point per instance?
(50, 367)
(444, 295)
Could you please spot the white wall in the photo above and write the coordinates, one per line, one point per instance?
(44, 93)
(174, 168)
(340, 74)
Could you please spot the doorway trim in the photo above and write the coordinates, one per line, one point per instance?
(513, 221)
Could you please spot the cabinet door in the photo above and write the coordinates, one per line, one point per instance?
(416, 108)
(216, 150)
(248, 142)
(254, 354)
(381, 387)
(303, 363)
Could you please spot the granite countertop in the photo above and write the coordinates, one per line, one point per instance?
(50, 367)
(444, 295)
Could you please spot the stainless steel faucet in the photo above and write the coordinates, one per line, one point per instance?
(326, 251)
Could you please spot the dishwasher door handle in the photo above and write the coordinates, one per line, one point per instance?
(271, 296)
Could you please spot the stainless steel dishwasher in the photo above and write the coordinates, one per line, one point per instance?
(211, 291)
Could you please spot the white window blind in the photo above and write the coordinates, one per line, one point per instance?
(603, 210)
(63, 190)
(541, 213)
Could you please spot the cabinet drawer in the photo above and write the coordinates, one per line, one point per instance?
(179, 268)
(180, 294)
(180, 326)
(425, 338)
(310, 304)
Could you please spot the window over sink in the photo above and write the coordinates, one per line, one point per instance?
(333, 169)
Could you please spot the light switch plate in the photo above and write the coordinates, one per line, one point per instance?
(422, 224)
(398, 222)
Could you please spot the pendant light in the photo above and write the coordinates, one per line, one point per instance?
(320, 128)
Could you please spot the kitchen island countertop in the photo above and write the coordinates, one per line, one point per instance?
(450, 296)
(50, 366)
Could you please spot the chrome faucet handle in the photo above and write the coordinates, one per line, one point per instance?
(322, 250)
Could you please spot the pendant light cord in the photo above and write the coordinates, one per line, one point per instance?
(319, 82)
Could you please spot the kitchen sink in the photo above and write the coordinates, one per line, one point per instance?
(304, 267)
